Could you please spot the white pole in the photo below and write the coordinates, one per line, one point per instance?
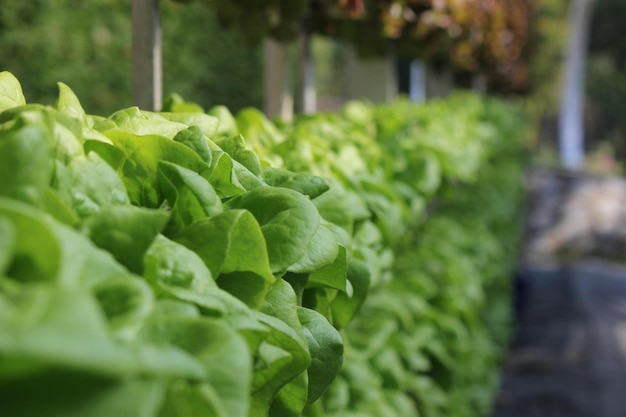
(417, 81)
(571, 118)
(147, 71)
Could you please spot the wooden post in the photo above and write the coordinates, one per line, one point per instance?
(147, 72)
(278, 95)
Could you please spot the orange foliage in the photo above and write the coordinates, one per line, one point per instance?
(476, 35)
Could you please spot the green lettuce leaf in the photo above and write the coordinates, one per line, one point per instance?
(235, 146)
(50, 327)
(90, 185)
(283, 356)
(289, 222)
(82, 395)
(190, 196)
(223, 177)
(326, 348)
(69, 104)
(141, 123)
(227, 125)
(195, 139)
(35, 246)
(310, 185)
(25, 157)
(142, 156)
(205, 123)
(126, 232)
(7, 244)
(232, 246)
(222, 352)
(345, 306)
(168, 264)
(126, 302)
(11, 94)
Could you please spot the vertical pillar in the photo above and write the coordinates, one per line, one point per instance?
(146, 51)
(307, 74)
(370, 79)
(417, 81)
(571, 118)
(277, 95)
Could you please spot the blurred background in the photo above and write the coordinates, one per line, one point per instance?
(213, 53)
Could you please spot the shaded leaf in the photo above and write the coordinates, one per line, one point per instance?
(288, 219)
(190, 196)
(326, 348)
(126, 232)
(231, 244)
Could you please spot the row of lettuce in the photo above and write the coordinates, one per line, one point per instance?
(184, 263)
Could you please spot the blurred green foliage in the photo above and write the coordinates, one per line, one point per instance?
(548, 43)
(606, 77)
(207, 64)
(43, 42)
(88, 46)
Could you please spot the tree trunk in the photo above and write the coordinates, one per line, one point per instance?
(571, 120)
(147, 72)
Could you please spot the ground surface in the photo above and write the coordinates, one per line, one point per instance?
(568, 357)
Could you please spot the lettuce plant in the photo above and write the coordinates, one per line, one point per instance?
(183, 263)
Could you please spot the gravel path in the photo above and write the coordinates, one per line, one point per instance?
(569, 355)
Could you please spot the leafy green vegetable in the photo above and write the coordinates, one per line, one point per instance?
(142, 157)
(190, 196)
(227, 126)
(278, 371)
(310, 185)
(206, 124)
(168, 264)
(206, 339)
(68, 103)
(232, 246)
(10, 91)
(25, 163)
(326, 347)
(235, 147)
(290, 223)
(7, 241)
(36, 249)
(195, 140)
(93, 183)
(179, 263)
(126, 232)
(81, 395)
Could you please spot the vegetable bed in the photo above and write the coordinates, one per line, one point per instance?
(185, 263)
